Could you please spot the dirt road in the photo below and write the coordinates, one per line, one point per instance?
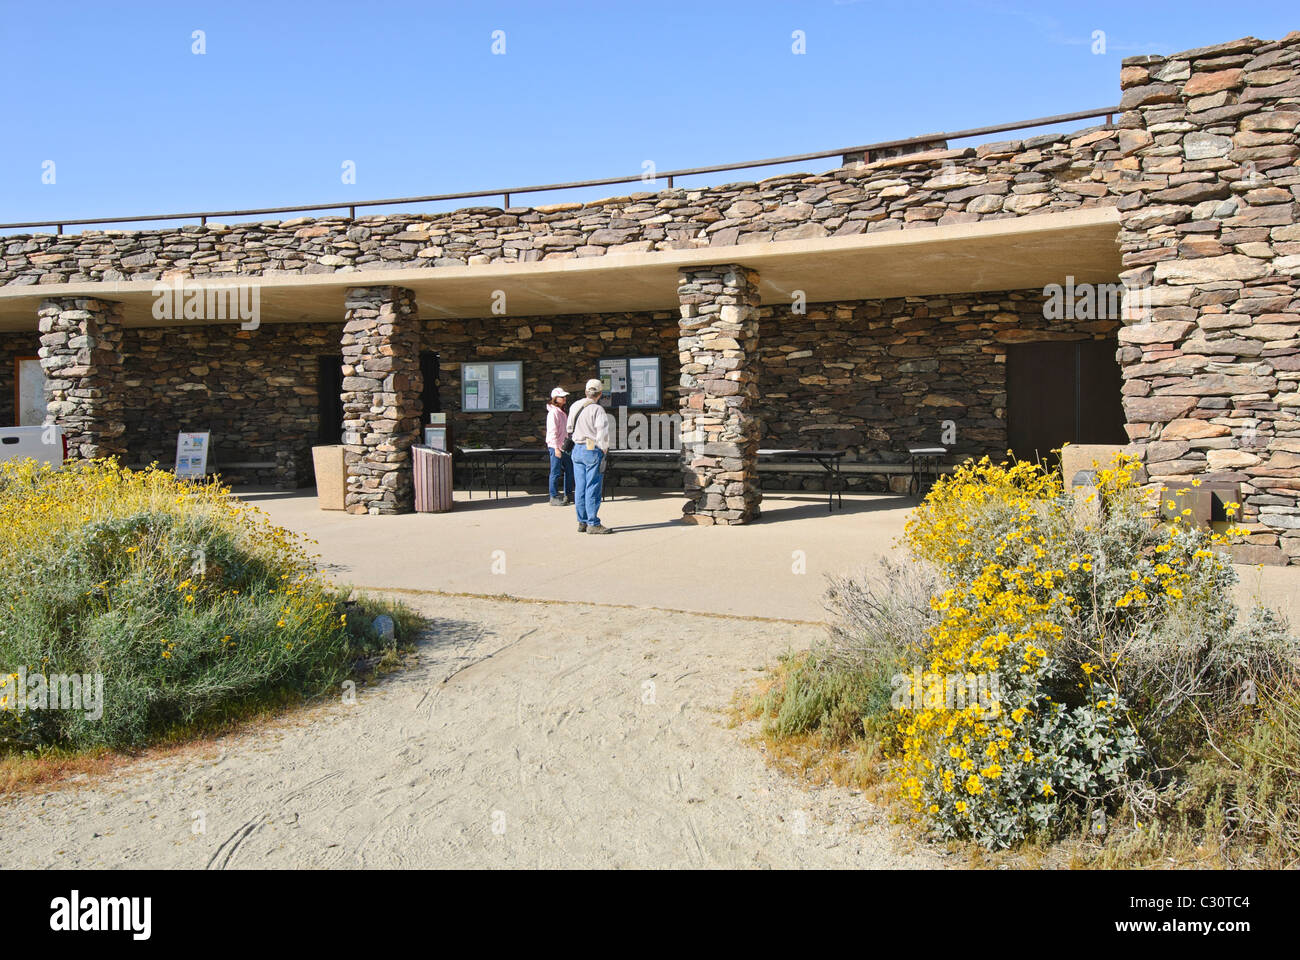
(526, 735)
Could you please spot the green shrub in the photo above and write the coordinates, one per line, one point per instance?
(187, 602)
(841, 690)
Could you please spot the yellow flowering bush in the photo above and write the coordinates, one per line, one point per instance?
(1070, 659)
(185, 600)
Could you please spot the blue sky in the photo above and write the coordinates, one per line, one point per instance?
(413, 95)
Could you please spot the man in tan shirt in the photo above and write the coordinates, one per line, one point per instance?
(589, 425)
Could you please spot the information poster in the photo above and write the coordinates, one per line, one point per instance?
(436, 437)
(476, 386)
(643, 382)
(613, 378)
(30, 383)
(191, 456)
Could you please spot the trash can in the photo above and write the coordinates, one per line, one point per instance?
(432, 480)
(331, 477)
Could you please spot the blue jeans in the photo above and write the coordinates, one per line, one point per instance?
(588, 482)
(561, 467)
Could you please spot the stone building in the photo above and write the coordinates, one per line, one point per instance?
(959, 294)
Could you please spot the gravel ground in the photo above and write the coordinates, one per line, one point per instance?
(525, 735)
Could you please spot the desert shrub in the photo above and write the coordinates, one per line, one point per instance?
(842, 689)
(813, 696)
(1096, 654)
(186, 601)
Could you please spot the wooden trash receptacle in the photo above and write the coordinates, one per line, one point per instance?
(432, 479)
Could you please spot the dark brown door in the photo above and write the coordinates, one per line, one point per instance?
(329, 399)
(430, 372)
(1062, 392)
(1101, 400)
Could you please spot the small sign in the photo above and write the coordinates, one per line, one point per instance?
(436, 437)
(191, 456)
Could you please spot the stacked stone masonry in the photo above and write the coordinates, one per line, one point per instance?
(253, 391)
(381, 398)
(718, 352)
(995, 181)
(869, 376)
(1211, 229)
(81, 354)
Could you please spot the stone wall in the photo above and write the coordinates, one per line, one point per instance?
(557, 352)
(870, 376)
(1041, 174)
(874, 376)
(1212, 228)
(254, 390)
(718, 350)
(381, 398)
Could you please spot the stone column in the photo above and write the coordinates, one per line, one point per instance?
(719, 356)
(1210, 239)
(381, 397)
(81, 354)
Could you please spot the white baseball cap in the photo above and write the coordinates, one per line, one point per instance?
(559, 392)
(595, 385)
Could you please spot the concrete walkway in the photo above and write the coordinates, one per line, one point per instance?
(521, 546)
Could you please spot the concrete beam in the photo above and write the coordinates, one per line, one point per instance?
(1012, 254)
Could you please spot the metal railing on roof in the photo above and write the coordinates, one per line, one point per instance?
(352, 205)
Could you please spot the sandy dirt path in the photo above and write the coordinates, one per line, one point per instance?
(526, 735)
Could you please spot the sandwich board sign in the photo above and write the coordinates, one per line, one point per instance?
(191, 456)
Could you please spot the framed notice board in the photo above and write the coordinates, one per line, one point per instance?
(631, 382)
(492, 387)
(29, 392)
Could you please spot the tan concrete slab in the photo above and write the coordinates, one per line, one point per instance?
(652, 561)
(1012, 254)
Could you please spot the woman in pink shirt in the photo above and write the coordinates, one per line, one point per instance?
(557, 423)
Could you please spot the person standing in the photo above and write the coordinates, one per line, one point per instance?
(590, 429)
(557, 426)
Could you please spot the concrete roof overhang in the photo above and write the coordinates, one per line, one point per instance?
(1011, 254)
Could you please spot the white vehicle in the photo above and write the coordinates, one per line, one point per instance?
(46, 444)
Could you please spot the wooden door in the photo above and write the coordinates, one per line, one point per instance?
(1062, 392)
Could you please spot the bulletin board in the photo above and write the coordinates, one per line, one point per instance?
(632, 382)
(492, 387)
(29, 392)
